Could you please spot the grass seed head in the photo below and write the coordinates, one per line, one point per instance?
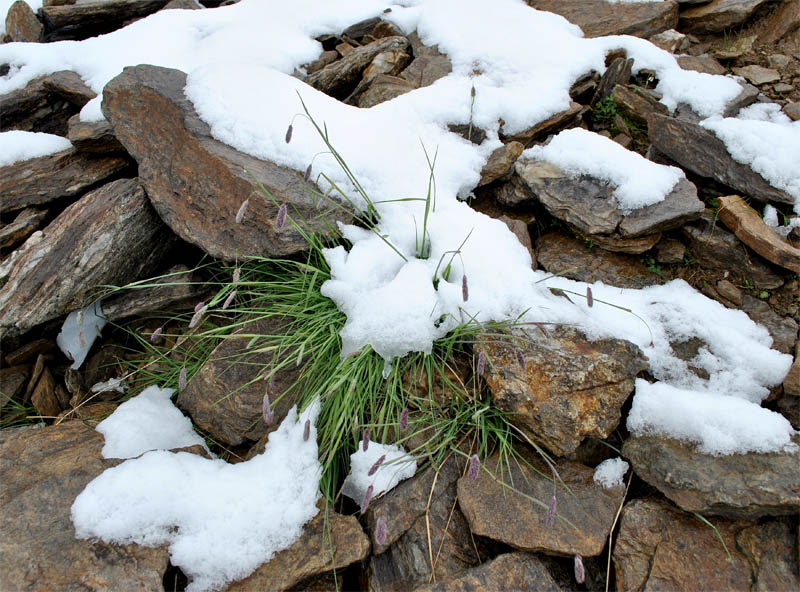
(474, 467)
(374, 468)
(551, 512)
(589, 297)
(481, 363)
(404, 419)
(367, 498)
(182, 379)
(307, 174)
(280, 219)
(380, 531)
(365, 440)
(289, 131)
(464, 288)
(266, 410)
(198, 315)
(228, 300)
(156, 334)
(520, 359)
(307, 430)
(237, 274)
(580, 572)
(242, 210)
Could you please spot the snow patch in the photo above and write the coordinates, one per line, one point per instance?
(17, 145)
(396, 467)
(610, 472)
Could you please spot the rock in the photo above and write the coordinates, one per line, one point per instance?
(637, 103)
(660, 548)
(424, 70)
(589, 205)
(771, 549)
(701, 63)
(310, 554)
(784, 20)
(71, 87)
(341, 77)
(758, 75)
(791, 384)
(111, 236)
(12, 381)
(383, 88)
(198, 184)
(506, 573)
(22, 24)
(42, 471)
(736, 486)
(183, 5)
(520, 230)
(749, 228)
(598, 18)
(386, 63)
(623, 244)
(792, 110)
(782, 88)
(574, 259)
(496, 509)
(729, 292)
(95, 137)
(46, 179)
(670, 40)
(746, 97)
(225, 398)
(701, 152)
(44, 396)
(717, 15)
(29, 351)
(670, 251)
(500, 162)
(25, 224)
(618, 72)
(782, 329)
(569, 389)
(89, 19)
(552, 124)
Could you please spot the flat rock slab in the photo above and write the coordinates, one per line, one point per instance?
(588, 204)
(24, 224)
(96, 137)
(22, 25)
(598, 18)
(196, 183)
(569, 389)
(82, 20)
(717, 15)
(111, 236)
(510, 572)
(700, 151)
(41, 473)
(504, 513)
(736, 486)
(552, 124)
(758, 75)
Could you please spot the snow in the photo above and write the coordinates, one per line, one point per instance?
(221, 521)
(79, 331)
(148, 421)
(771, 220)
(396, 467)
(611, 472)
(639, 182)
(17, 145)
(6, 4)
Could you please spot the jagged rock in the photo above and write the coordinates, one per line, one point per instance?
(95, 137)
(745, 98)
(570, 388)
(89, 19)
(618, 72)
(701, 63)
(197, 184)
(624, 244)
(791, 384)
(771, 549)
(661, 548)
(735, 486)
(327, 542)
(749, 228)
(29, 351)
(110, 236)
(386, 63)
(500, 162)
(758, 75)
(41, 473)
(700, 151)
(713, 247)
(384, 88)
(68, 85)
(552, 124)
(505, 573)
(780, 23)
(598, 17)
(504, 512)
(25, 224)
(424, 70)
(574, 259)
(589, 205)
(670, 40)
(637, 103)
(22, 24)
(717, 15)
(225, 396)
(782, 329)
(45, 179)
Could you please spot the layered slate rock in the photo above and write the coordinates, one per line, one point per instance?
(701, 152)
(735, 486)
(82, 20)
(718, 15)
(22, 24)
(327, 542)
(588, 204)
(784, 20)
(569, 387)
(96, 137)
(111, 236)
(498, 505)
(384, 88)
(500, 161)
(552, 124)
(41, 473)
(510, 571)
(23, 225)
(771, 548)
(598, 18)
(197, 184)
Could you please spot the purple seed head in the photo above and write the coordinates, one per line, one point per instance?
(156, 334)
(242, 210)
(289, 131)
(377, 464)
(464, 288)
(266, 410)
(580, 573)
(520, 359)
(280, 219)
(197, 316)
(589, 297)
(365, 440)
(182, 379)
(236, 274)
(380, 531)
(474, 467)
(307, 430)
(404, 419)
(367, 497)
(551, 513)
(481, 363)
(199, 305)
(472, 92)
(228, 300)
(307, 174)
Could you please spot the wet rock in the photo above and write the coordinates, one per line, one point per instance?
(384, 88)
(22, 24)
(782, 329)
(496, 509)
(700, 151)
(500, 162)
(111, 236)
(95, 137)
(25, 224)
(574, 259)
(505, 573)
(598, 17)
(749, 227)
(310, 554)
(89, 19)
(736, 486)
(64, 174)
(552, 124)
(637, 103)
(570, 388)
(661, 548)
(41, 472)
(701, 63)
(198, 184)
(758, 75)
(717, 15)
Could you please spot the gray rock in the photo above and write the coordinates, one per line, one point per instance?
(617, 72)
(424, 70)
(95, 137)
(25, 224)
(758, 75)
(386, 63)
(701, 63)
(384, 88)
(598, 18)
(637, 103)
(717, 15)
(782, 329)
(500, 162)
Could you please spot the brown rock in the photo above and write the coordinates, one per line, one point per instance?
(780, 23)
(111, 236)
(424, 70)
(30, 351)
(71, 87)
(504, 512)
(310, 554)
(41, 473)
(735, 486)
(92, 136)
(791, 384)
(44, 396)
(782, 329)
(509, 572)
(386, 63)
(570, 388)
(571, 258)
(637, 103)
(770, 547)
(13, 381)
(758, 75)
(325, 58)
(500, 162)
(26, 223)
(700, 151)
(670, 40)
(22, 24)
(729, 292)
(618, 72)
(89, 19)
(701, 63)
(552, 124)
(598, 18)
(48, 178)
(670, 251)
(749, 228)
(624, 244)
(198, 184)
(717, 15)
(520, 230)
(383, 88)
(792, 110)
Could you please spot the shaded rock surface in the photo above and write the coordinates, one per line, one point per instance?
(24, 224)
(735, 486)
(598, 17)
(550, 125)
(717, 15)
(92, 136)
(82, 20)
(196, 183)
